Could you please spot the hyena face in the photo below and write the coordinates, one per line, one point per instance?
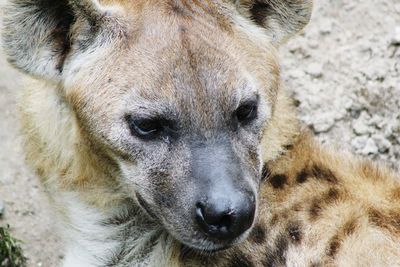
(189, 141)
(184, 124)
(176, 94)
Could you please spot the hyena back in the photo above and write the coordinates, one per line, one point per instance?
(164, 137)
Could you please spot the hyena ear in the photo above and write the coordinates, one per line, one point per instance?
(281, 18)
(40, 35)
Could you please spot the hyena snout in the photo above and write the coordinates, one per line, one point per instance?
(226, 204)
(225, 217)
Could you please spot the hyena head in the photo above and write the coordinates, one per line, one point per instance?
(177, 93)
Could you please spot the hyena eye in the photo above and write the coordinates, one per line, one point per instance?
(148, 128)
(246, 112)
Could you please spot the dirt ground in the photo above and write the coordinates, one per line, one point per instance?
(344, 72)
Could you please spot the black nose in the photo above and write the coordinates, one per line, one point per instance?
(225, 220)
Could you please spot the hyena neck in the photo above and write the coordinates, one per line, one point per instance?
(122, 236)
(283, 129)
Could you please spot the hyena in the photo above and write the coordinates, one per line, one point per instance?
(163, 136)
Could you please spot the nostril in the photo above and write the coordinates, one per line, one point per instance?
(200, 216)
(199, 213)
(225, 221)
(214, 223)
(224, 225)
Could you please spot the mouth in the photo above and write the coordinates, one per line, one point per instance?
(188, 251)
(207, 245)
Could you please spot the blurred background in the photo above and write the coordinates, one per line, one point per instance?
(343, 71)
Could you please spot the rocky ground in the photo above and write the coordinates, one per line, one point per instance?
(344, 72)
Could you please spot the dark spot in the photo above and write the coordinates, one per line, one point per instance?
(288, 147)
(278, 181)
(297, 207)
(322, 173)
(350, 227)
(376, 217)
(316, 264)
(331, 196)
(265, 172)
(389, 220)
(40, 172)
(294, 231)
(259, 11)
(302, 176)
(60, 35)
(274, 220)
(334, 246)
(319, 203)
(257, 235)
(315, 209)
(176, 8)
(276, 256)
(240, 260)
(125, 156)
(185, 252)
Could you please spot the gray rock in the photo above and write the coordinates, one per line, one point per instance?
(360, 127)
(396, 37)
(370, 148)
(377, 70)
(359, 142)
(326, 27)
(323, 123)
(296, 74)
(315, 70)
(349, 6)
(314, 44)
(383, 144)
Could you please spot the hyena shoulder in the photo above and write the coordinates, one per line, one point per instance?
(330, 208)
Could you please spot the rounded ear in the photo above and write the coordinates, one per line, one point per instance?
(38, 35)
(281, 18)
